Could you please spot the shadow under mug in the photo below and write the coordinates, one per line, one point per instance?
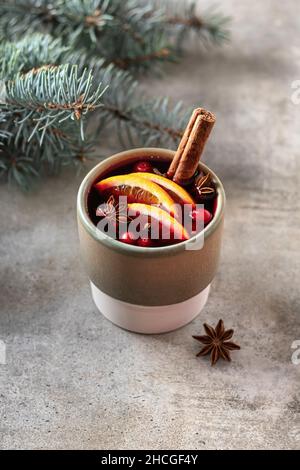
(148, 290)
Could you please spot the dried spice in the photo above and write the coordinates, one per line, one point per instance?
(216, 342)
(159, 173)
(113, 211)
(204, 188)
(189, 151)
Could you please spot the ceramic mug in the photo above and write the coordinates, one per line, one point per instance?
(148, 290)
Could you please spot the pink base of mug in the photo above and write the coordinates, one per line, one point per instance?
(149, 319)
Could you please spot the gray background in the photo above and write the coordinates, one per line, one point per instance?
(72, 379)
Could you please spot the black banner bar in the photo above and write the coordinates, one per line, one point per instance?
(137, 458)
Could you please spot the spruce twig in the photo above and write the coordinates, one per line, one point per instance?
(129, 33)
(33, 96)
(45, 104)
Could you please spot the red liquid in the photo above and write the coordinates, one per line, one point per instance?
(95, 199)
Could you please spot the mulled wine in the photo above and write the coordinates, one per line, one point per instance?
(139, 204)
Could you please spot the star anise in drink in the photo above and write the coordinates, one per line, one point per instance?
(216, 342)
(204, 189)
(112, 210)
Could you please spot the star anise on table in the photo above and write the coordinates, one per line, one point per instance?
(216, 342)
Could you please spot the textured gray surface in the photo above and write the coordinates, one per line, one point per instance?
(73, 380)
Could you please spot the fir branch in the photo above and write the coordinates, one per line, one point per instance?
(66, 18)
(152, 127)
(136, 118)
(84, 21)
(209, 27)
(17, 160)
(38, 117)
(19, 17)
(141, 41)
(52, 94)
(128, 33)
(129, 62)
(32, 51)
(40, 49)
(43, 104)
(4, 133)
(10, 63)
(23, 162)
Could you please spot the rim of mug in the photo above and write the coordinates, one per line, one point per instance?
(124, 248)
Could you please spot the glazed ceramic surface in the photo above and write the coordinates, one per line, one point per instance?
(147, 276)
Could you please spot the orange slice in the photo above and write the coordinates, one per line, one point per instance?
(170, 225)
(176, 192)
(138, 189)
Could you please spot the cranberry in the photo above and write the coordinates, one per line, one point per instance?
(145, 242)
(128, 237)
(201, 214)
(143, 167)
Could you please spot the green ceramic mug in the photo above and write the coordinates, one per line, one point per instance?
(148, 290)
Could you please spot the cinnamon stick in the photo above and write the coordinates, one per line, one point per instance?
(190, 149)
